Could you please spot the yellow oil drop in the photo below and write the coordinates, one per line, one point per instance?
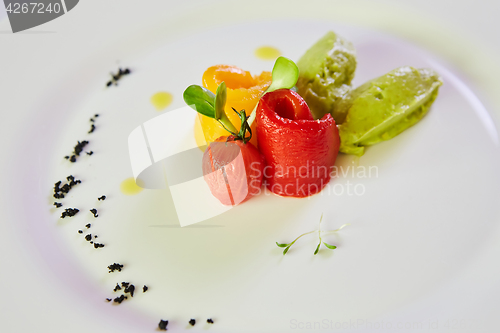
(129, 187)
(267, 53)
(161, 100)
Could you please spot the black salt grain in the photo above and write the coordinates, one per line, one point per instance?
(116, 77)
(94, 211)
(130, 289)
(79, 147)
(145, 288)
(77, 150)
(57, 204)
(88, 237)
(117, 287)
(69, 212)
(120, 299)
(101, 198)
(162, 325)
(192, 322)
(210, 321)
(115, 267)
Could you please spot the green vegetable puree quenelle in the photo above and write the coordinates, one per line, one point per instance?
(384, 107)
(377, 110)
(325, 74)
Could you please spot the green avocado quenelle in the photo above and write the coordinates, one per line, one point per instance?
(325, 74)
(384, 107)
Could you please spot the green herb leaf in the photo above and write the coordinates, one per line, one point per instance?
(285, 74)
(319, 231)
(331, 247)
(201, 100)
(317, 249)
(220, 100)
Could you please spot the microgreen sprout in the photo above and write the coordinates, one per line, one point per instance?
(284, 76)
(206, 103)
(320, 232)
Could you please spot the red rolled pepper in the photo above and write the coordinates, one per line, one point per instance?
(299, 151)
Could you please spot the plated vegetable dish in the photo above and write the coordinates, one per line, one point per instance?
(284, 129)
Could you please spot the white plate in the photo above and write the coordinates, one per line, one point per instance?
(417, 236)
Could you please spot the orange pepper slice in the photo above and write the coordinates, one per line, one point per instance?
(243, 93)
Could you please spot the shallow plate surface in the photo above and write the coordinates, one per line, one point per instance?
(422, 207)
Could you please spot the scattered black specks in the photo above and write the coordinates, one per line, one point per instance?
(92, 128)
(115, 267)
(125, 284)
(162, 325)
(69, 212)
(88, 226)
(60, 191)
(116, 77)
(90, 153)
(210, 321)
(72, 180)
(192, 322)
(88, 237)
(108, 299)
(57, 204)
(117, 287)
(103, 197)
(120, 299)
(130, 289)
(145, 288)
(80, 231)
(94, 211)
(57, 187)
(77, 150)
(79, 147)
(98, 245)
